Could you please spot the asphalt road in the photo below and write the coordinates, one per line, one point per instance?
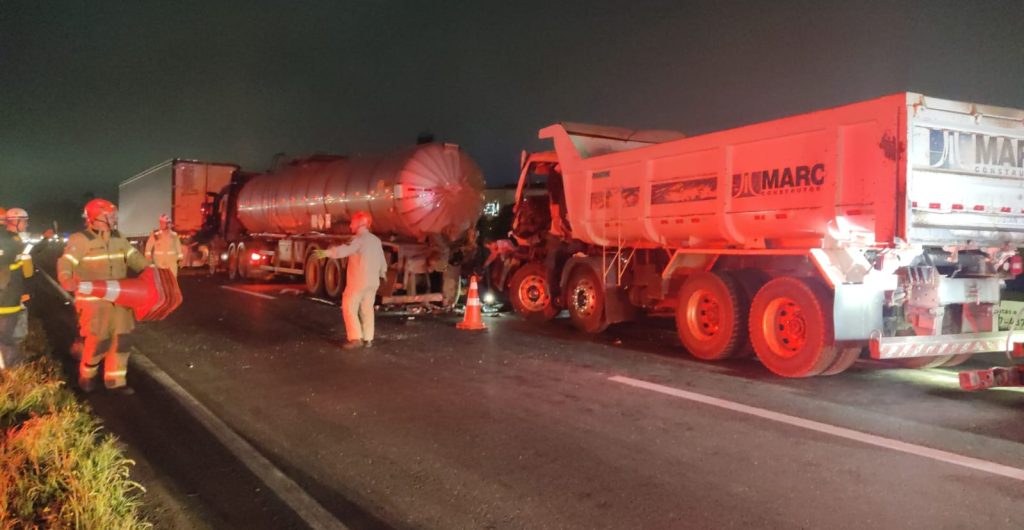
(523, 426)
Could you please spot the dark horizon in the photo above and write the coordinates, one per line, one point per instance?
(93, 94)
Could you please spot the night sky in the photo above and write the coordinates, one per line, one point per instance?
(92, 92)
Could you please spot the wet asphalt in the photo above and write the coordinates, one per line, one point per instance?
(519, 426)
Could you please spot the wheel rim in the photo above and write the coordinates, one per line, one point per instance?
(784, 327)
(533, 293)
(584, 298)
(703, 314)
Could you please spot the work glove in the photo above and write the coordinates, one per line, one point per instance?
(320, 254)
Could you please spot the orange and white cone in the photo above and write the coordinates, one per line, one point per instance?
(152, 296)
(474, 317)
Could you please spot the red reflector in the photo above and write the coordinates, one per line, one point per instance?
(957, 207)
(934, 205)
(979, 208)
(255, 256)
(913, 204)
(1005, 209)
(1016, 265)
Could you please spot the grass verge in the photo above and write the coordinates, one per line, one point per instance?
(57, 468)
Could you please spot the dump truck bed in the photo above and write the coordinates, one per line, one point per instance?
(902, 167)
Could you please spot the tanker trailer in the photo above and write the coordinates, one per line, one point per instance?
(423, 200)
(887, 226)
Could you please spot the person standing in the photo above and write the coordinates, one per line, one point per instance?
(15, 268)
(163, 248)
(100, 253)
(366, 267)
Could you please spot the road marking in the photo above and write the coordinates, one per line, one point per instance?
(841, 432)
(286, 489)
(243, 291)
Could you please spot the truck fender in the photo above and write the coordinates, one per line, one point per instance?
(616, 307)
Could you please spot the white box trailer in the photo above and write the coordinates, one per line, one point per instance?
(181, 189)
(891, 222)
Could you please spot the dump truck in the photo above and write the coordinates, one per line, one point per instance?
(184, 190)
(885, 227)
(425, 200)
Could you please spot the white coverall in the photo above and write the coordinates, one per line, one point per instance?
(366, 267)
(163, 249)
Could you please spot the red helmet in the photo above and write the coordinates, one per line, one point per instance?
(361, 219)
(97, 208)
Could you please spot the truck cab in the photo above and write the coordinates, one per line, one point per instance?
(539, 224)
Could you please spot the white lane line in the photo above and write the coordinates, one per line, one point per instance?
(286, 489)
(243, 291)
(841, 432)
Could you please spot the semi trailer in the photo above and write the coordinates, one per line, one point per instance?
(886, 226)
(184, 190)
(424, 200)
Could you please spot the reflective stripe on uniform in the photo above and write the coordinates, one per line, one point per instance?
(10, 310)
(130, 250)
(72, 259)
(114, 373)
(16, 265)
(97, 257)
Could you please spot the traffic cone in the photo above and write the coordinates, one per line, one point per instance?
(151, 296)
(473, 318)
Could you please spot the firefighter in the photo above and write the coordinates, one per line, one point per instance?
(367, 266)
(15, 268)
(100, 253)
(163, 248)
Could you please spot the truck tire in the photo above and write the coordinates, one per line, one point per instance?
(232, 262)
(530, 293)
(921, 363)
(313, 270)
(243, 262)
(750, 282)
(334, 279)
(957, 360)
(584, 298)
(711, 316)
(791, 327)
(844, 360)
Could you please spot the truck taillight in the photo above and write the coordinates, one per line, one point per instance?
(255, 256)
(1016, 266)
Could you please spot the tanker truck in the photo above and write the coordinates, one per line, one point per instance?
(424, 200)
(885, 227)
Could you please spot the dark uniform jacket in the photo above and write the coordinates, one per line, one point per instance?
(12, 278)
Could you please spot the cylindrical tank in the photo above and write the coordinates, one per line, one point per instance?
(418, 191)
